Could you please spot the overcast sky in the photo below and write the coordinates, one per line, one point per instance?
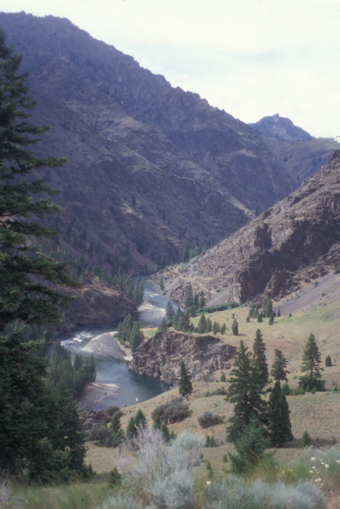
(252, 58)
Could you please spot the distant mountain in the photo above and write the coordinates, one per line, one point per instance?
(294, 149)
(297, 239)
(280, 127)
(150, 167)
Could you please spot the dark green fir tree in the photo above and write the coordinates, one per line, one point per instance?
(279, 371)
(259, 361)
(311, 360)
(184, 384)
(279, 421)
(234, 327)
(245, 394)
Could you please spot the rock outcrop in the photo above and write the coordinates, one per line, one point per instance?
(297, 239)
(159, 356)
(280, 127)
(96, 304)
(105, 345)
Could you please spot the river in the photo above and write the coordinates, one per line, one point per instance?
(116, 385)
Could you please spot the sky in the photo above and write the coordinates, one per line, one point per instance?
(252, 58)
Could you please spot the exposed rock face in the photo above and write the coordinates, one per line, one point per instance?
(160, 356)
(297, 238)
(280, 127)
(96, 304)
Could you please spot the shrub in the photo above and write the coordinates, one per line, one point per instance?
(163, 474)
(221, 391)
(222, 377)
(104, 435)
(210, 441)
(328, 361)
(208, 419)
(234, 493)
(300, 391)
(285, 389)
(123, 503)
(174, 411)
(112, 410)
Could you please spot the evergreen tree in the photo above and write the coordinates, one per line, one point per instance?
(201, 302)
(162, 326)
(279, 421)
(247, 319)
(259, 318)
(279, 371)
(131, 430)
(140, 419)
(306, 440)
(170, 312)
(202, 325)
(267, 306)
(234, 327)
(250, 447)
(328, 361)
(27, 278)
(157, 422)
(223, 328)
(177, 318)
(271, 319)
(184, 385)
(222, 377)
(116, 426)
(244, 393)
(93, 369)
(136, 337)
(188, 299)
(216, 327)
(208, 325)
(311, 360)
(259, 361)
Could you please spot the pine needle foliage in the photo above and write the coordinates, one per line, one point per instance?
(259, 361)
(279, 371)
(279, 421)
(24, 272)
(311, 360)
(184, 384)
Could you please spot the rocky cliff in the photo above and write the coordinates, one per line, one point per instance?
(281, 128)
(96, 304)
(160, 356)
(297, 238)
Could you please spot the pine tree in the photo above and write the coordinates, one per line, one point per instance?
(328, 361)
(311, 360)
(223, 328)
(188, 299)
(27, 278)
(169, 311)
(157, 422)
(234, 327)
(202, 325)
(208, 324)
(165, 432)
(131, 430)
(267, 306)
(201, 302)
(259, 361)
(222, 377)
(184, 385)
(162, 326)
(279, 371)
(140, 419)
(116, 424)
(250, 447)
(279, 422)
(306, 440)
(244, 393)
(271, 319)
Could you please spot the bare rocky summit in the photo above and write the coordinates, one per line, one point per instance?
(160, 356)
(296, 239)
(280, 127)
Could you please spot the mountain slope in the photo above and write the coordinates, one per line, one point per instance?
(296, 239)
(281, 128)
(149, 166)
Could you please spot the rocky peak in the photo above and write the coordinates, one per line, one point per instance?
(280, 127)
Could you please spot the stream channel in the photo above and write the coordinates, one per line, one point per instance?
(116, 384)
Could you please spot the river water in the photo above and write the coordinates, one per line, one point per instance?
(123, 387)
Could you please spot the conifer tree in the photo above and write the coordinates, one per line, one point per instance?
(279, 422)
(169, 311)
(188, 299)
(223, 328)
(202, 325)
(234, 327)
(244, 393)
(165, 432)
(157, 422)
(162, 326)
(131, 430)
(271, 319)
(279, 371)
(311, 360)
(259, 361)
(27, 278)
(116, 425)
(328, 361)
(306, 441)
(267, 306)
(184, 385)
(208, 325)
(140, 419)
(201, 302)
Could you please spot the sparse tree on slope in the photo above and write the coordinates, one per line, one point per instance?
(311, 360)
(185, 385)
(279, 371)
(259, 361)
(244, 393)
(279, 421)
